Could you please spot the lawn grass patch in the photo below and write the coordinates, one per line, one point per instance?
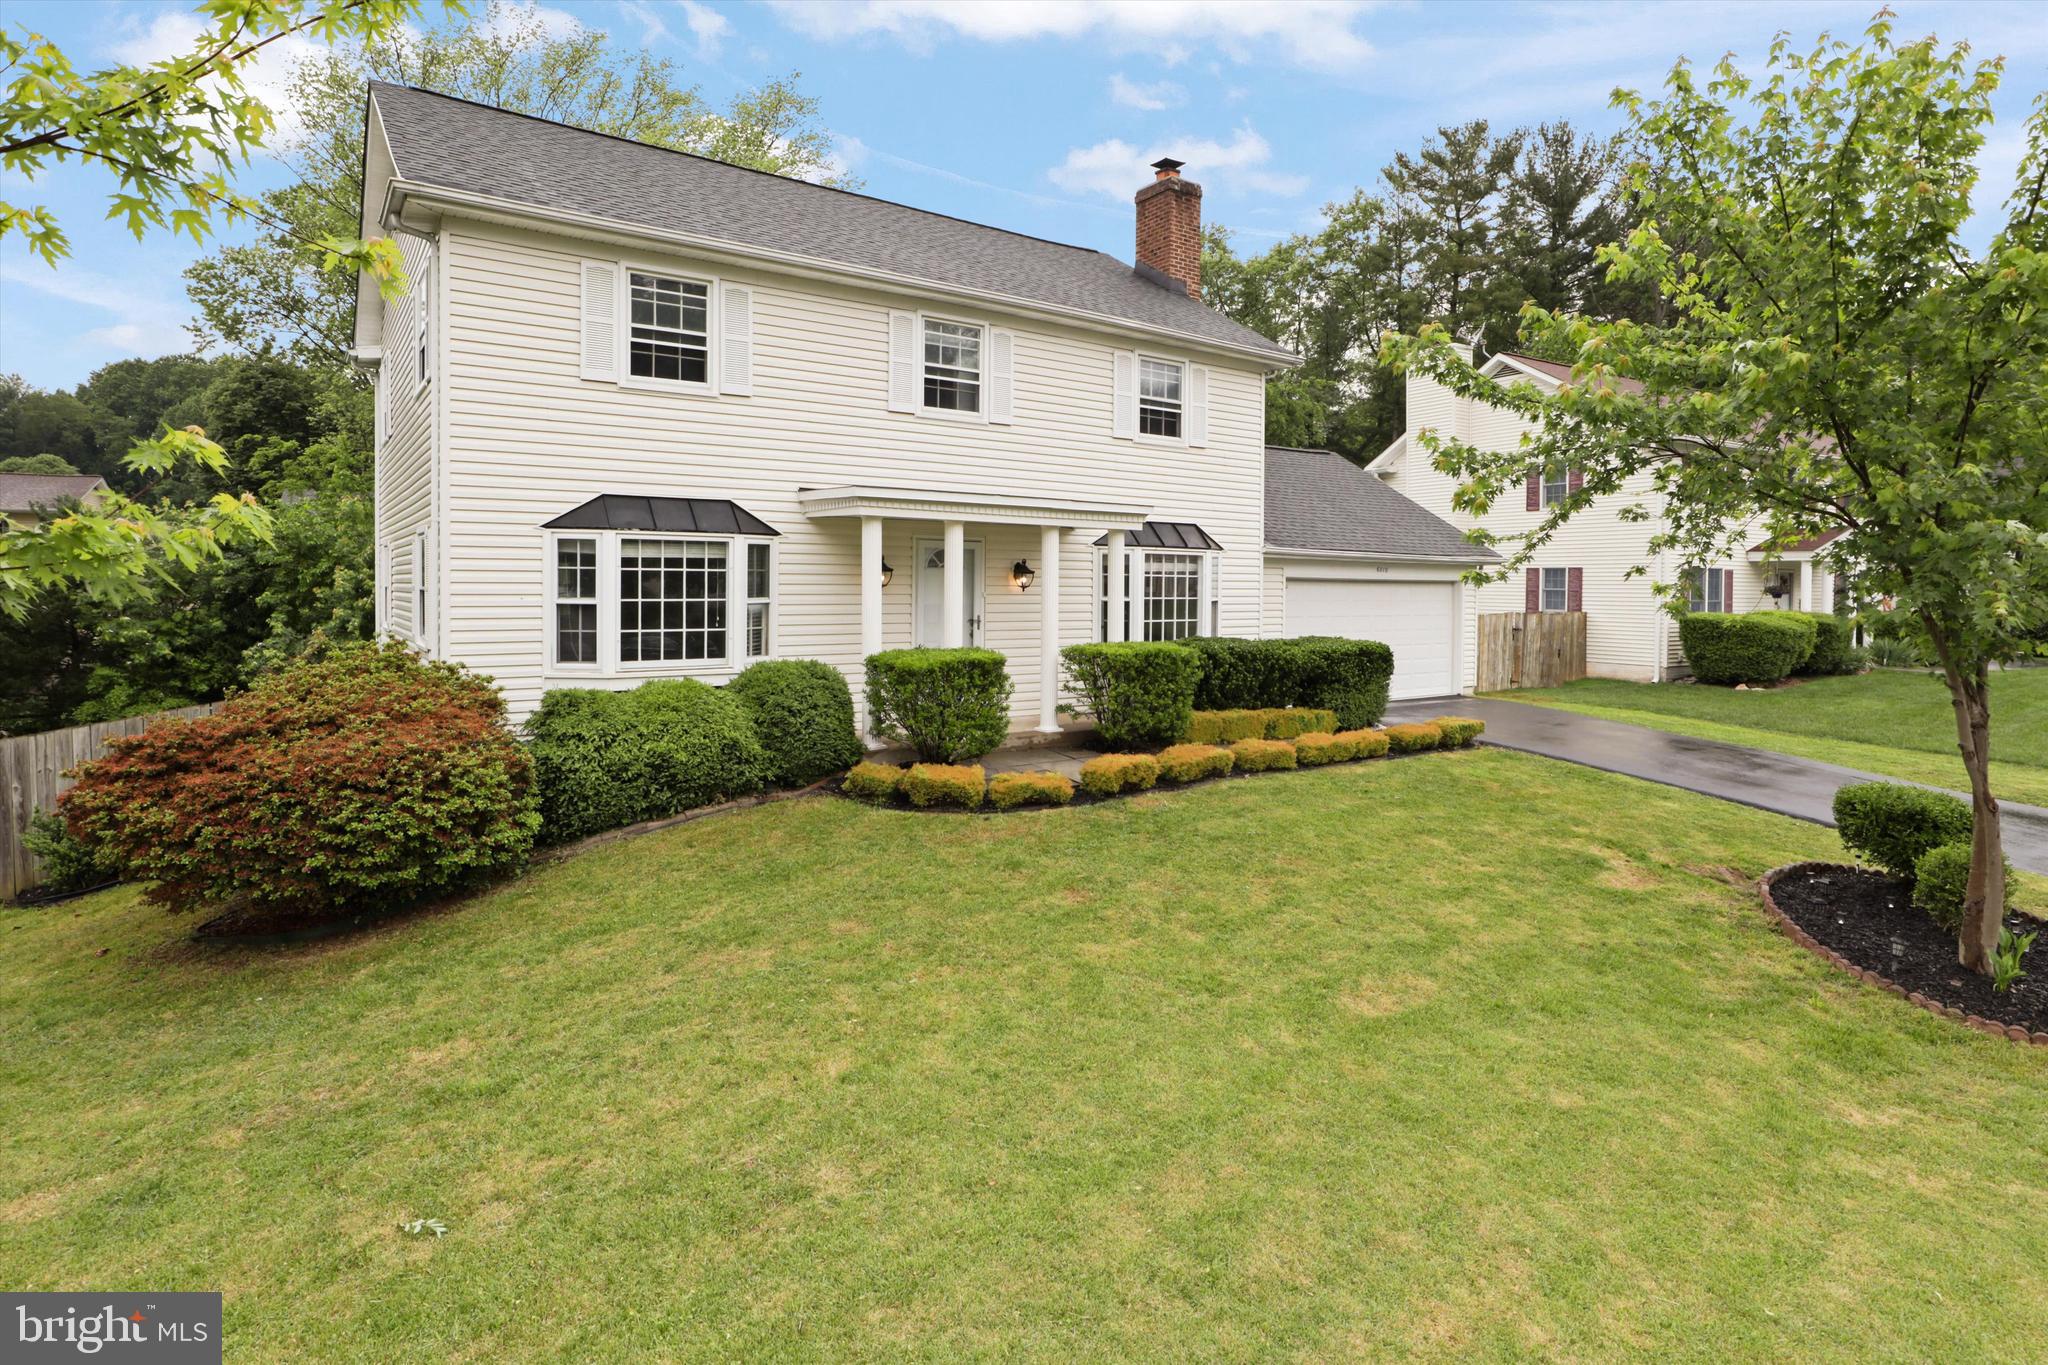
(1456, 1058)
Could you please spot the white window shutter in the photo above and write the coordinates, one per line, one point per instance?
(1198, 405)
(736, 339)
(1002, 348)
(601, 321)
(902, 362)
(1125, 423)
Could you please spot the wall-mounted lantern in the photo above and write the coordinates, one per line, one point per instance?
(887, 573)
(1021, 573)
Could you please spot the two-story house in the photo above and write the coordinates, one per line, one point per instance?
(1586, 565)
(644, 414)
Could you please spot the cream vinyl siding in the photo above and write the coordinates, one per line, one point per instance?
(405, 453)
(529, 439)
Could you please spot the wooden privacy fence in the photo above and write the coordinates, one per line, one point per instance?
(1531, 649)
(32, 769)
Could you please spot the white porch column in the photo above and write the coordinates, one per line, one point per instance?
(956, 585)
(1115, 570)
(1049, 629)
(870, 603)
(1806, 585)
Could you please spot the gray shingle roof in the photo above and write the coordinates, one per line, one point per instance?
(20, 492)
(473, 148)
(1318, 500)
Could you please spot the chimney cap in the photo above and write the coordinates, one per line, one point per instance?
(1166, 165)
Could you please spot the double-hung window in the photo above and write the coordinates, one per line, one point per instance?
(425, 307)
(1172, 608)
(952, 366)
(758, 576)
(1704, 590)
(1160, 402)
(1557, 594)
(1557, 484)
(575, 601)
(670, 335)
(671, 600)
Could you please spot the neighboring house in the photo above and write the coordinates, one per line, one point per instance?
(643, 414)
(26, 499)
(1585, 566)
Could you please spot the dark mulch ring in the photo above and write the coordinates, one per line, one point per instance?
(1869, 919)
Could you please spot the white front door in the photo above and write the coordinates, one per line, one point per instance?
(931, 594)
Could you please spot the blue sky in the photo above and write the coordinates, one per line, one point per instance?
(1034, 116)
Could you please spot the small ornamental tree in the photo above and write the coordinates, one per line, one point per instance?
(1835, 359)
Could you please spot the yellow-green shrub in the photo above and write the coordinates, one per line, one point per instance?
(1413, 738)
(1314, 750)
(1459, 731)
(873, 781)
(1226, 727)
(1365, 743)
(945, 784)
(1285, 722)
(1193, 762)
(1263, 755)
(1113, 773)
(1007, 791)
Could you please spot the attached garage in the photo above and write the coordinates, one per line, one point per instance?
(1346, 555)
(1419, 621)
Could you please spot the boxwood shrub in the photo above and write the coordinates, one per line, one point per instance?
(1139, 692)
(1413, 738)
(605, 759)
(67, 862)
(1459, 731)
(945, 784)
(1225, 727)
(1757, 646)
(1285, 722)
(366, 778)
(1263, 755)
(1894, 825)
(803, 715)
(1834, 646)
(1348, 677)
(1366, 743)
(1193, 762)
(873, 781)
(1314, 750)
(1007, 791)
(949, 704)
(1109, 774)
(1941, 883)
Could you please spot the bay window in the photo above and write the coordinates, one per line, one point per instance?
(1167, 595)
(575, 600)
(635, 602)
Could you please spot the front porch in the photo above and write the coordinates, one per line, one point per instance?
(947, 569)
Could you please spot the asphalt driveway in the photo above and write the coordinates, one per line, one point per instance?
(1798, 787)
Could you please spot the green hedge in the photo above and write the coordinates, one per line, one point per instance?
(1349, 677)
(1758, 646)
(1894, 826)
(803, 715)
(606, 759)
(1941, 883)
(1140, 693)
(1833, 646)
(949, 704)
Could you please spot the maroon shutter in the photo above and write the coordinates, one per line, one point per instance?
(1575, 590)
(1575, 479)
(1727, 590)
(1535, 595)
(1535, 493)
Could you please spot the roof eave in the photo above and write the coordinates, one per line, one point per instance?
(595, 227)
(1477, 556)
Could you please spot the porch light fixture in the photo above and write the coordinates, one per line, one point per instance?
(1021, 573)
(887, 573)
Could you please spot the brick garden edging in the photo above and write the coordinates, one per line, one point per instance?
(1813, 945)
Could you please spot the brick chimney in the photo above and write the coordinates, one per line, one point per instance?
(1170, 228)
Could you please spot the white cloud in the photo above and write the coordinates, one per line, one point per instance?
(148, 325)
(652, 29)
(1319, 33)
(1117, 170)
(267, 75)
(1130, 94)
(515, 15)
(707, 26)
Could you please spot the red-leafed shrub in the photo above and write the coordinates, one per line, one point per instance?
(362, 780)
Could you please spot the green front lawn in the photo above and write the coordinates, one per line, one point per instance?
(1891, 722)
(1469, 1055)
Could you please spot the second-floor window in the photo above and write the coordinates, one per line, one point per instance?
(952, 366)
(1159, 397)
(1557, 484)
(671, 337)
(1557, 589)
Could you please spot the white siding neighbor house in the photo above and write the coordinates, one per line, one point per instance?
(1585, 566)
(644, 414)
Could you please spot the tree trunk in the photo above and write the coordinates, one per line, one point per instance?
(1984, 901)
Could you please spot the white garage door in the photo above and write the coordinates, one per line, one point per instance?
(1419, 621)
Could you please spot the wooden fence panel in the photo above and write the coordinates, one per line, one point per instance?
(32, 769)
(1530, 649)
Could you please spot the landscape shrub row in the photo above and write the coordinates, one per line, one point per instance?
(947, 704)
(1348, 677)
(1139, 693)
(1921, 837)
(1277, 722)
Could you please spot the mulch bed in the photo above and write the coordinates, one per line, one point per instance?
(1865, 920)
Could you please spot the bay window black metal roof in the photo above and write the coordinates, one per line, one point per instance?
(622, 512)
(1167, 535)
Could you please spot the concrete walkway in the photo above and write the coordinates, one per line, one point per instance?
(1798, 787)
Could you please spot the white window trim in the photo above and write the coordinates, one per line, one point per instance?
(609, 664)
(1187, 371)
(421, 604)
(713, 320)
(1697, 577)
(1543, 498)
(988, 331)
(1543, 590)
(423, 309)
(747, 544)
(1208, 606)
